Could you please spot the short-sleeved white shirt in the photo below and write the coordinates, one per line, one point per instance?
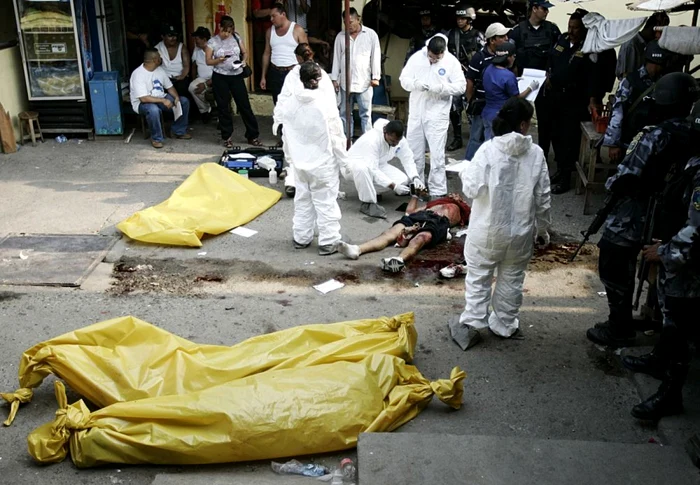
(148, 83)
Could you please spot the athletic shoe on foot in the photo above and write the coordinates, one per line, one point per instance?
(350, 251)
(300, 245)
(394, 264)
(327, 249)
(373, 210)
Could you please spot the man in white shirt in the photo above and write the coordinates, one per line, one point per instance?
(151, 92)
(175, 59)
(201, 73)
(365, 70)
(369, 160)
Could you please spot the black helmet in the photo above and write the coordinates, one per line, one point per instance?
(676, 89)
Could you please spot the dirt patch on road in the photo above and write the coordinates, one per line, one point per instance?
(198, 277)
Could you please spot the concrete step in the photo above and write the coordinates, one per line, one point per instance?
(410, 458)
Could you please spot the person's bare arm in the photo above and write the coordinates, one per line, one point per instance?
(185, 63)
(413, 206)
(154, 100)
(173, 92)
(300, 35)
(209, 57)
(470, 89)
(244, 51)
(265, 60)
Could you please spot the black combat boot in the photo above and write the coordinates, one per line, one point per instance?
(651, 364)
(668, 400)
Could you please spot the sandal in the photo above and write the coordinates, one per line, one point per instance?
(228, 143)
(255, 142)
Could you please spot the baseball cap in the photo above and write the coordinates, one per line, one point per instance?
(495, 29)
(468, 12)
(168, 30)
(424, 12)
(202, 32)
(503, 51)
(541, 3)
(656, 54)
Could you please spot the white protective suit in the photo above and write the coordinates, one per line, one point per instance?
(369, 160)
(508, 182)
(313, 138)
(292, 82)
(429, 111)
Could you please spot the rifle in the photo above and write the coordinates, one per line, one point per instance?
(597, 223)
(647, 239)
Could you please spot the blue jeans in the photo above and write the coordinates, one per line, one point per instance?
(476, 136)
(488, 129)
(364, 106)
(152, 113)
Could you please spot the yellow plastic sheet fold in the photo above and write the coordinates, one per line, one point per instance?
(211, 200)
(125, 359)
(274, 414)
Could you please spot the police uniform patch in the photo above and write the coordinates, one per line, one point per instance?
(442, 71)
(696, 199)
(559, 48)
(634, 141)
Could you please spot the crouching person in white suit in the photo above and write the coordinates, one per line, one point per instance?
(508, 183)
(369, 165)
(313, 138)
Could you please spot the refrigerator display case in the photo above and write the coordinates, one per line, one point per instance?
(51, 53)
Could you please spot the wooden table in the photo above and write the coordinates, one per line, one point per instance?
(588, 163)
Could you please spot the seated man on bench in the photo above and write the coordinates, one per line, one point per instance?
(418, 228)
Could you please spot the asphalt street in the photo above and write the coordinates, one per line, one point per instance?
(554, 384)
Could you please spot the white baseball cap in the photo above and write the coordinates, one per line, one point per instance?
(495, 29)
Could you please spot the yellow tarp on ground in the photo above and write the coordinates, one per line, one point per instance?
(274, 414)
(125, 359)
(210, 201)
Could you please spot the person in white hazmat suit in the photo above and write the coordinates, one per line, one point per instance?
(304, 53)
(369, 158)
(432, 76)
(508, 182)
(313, 138)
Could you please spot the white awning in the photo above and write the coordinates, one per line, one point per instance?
(656, 5)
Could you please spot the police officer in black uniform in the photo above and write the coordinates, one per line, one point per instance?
(533, 38)
(639, 177)
(463, 42)
(427, 30)
(573, 88)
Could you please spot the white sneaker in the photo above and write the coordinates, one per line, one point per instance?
(393, 265)
(350, 251)
(453, 270)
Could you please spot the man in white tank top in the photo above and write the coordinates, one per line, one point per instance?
(176, 60)
(278, 59)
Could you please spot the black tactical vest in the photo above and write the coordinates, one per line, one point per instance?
(634, 120)
(536, 47)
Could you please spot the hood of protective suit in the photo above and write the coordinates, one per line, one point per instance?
(436, 35)
(303, 95)
(513, 143)
(380, 124)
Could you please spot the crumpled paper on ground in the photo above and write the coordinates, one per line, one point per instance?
(210, 201)
(125, 359)
(274, 414)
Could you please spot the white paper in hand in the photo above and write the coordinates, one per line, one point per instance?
(530, 75)
(177, 110)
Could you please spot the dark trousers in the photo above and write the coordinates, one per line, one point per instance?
(544, 121)
(456, 116)
(617, 268)
(275, 80)
(225, 87)
(567, 111)
(675, 336)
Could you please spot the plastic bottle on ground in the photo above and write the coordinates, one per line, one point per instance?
(273, 177)
(349, 470)
(337, 478)
(295, 467)
(61, 139)
(243, 173)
